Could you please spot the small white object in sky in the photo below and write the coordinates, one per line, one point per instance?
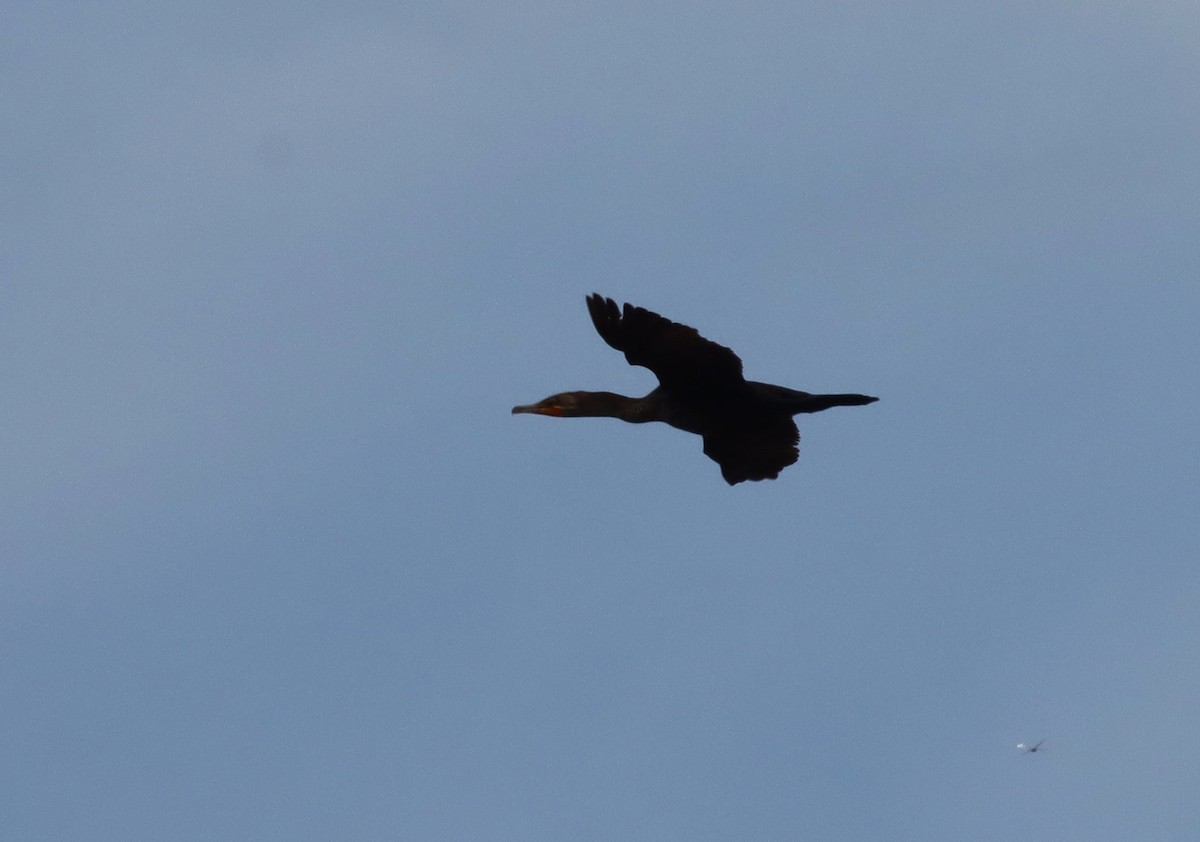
(1030, 749)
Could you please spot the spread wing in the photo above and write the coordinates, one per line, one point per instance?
(758, 449)
(677, 354)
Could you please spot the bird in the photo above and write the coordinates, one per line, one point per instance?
(747, 426)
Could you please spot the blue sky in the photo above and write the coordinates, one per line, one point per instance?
(277, 563)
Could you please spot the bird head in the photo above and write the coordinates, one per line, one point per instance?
(562, 405)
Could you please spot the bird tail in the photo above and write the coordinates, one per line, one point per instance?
(817, 403)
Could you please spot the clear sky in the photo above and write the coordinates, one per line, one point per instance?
(277, 563)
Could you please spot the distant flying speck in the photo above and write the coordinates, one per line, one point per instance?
(1030, 749)
(747, 427)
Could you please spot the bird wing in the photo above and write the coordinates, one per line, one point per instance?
(677, 354)
(757, 449)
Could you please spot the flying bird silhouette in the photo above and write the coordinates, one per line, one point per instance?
(747, 426)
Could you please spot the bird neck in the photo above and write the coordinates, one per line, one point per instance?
(610, 405)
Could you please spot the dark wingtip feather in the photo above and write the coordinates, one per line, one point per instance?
(607, 319)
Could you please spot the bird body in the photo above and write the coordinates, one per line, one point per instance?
(747, 426)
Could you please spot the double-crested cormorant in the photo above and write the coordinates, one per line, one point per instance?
(747, 427)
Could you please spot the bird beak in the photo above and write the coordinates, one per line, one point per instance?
(538, 409)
